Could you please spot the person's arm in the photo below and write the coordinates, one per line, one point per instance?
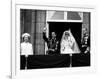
(62, 47)
(44, 37)
(56, 45)
(87, 50)
(44, 34)
(32, 49)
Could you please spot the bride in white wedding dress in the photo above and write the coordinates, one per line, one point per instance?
(68, 44)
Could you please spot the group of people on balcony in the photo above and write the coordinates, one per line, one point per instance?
(67, 44)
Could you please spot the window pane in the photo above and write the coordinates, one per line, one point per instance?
(74, 15)
(55, 15)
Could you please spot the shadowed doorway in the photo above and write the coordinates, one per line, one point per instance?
(60, 27)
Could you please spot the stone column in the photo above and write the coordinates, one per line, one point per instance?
(40, 24)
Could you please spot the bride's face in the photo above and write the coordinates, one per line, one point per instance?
(66, 35)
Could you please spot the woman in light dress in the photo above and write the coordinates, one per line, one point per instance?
(26, 47)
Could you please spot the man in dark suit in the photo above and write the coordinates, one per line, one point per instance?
(52, 43)
(86, 43)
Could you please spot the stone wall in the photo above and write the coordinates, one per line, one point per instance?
(33, 22)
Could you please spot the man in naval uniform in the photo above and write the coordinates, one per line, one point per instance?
(52, 43)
